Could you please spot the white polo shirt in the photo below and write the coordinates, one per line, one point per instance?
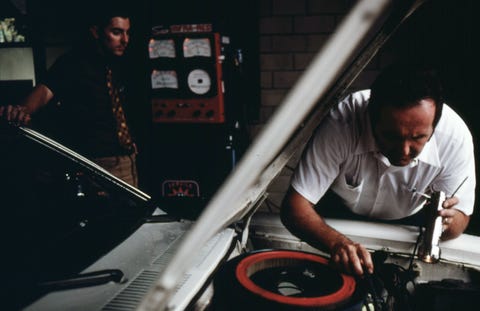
(343, 155)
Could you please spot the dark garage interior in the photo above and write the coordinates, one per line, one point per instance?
(260, 49)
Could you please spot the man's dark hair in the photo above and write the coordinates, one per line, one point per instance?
(106, 10)
(403, 85)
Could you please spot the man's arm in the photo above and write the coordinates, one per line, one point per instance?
(38, 98)
(300, 217)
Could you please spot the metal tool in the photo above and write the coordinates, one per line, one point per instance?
(429, 250)
(461, 184)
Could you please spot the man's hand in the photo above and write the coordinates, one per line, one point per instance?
(352, 258)
(20, 114)
(299, 216)
(15, 114)
(454, 221)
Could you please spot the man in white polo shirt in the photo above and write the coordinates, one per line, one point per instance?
(376, 151)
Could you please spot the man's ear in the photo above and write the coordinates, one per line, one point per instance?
(94, 31)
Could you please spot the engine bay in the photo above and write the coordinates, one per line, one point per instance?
(401, 280)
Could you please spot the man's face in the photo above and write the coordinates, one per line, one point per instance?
(401, 133)
(116, 35)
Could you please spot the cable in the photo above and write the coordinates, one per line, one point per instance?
(415, 248)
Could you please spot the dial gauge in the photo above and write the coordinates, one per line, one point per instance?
(161, 48)
(197, 47)
(164, 79)
(199, 81)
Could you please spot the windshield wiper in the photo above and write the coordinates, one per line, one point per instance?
(84, 280)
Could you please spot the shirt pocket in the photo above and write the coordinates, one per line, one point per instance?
(350, 193)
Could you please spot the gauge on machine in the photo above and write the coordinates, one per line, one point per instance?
(199, 81)
(161, 48)
(197, 47)
(164, 79)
